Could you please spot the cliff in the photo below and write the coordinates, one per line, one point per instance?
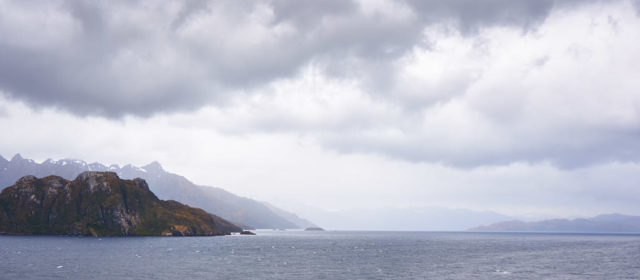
(99, 204)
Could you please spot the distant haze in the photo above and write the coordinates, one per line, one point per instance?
(530, 109)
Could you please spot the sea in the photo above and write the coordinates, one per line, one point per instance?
(325, 255)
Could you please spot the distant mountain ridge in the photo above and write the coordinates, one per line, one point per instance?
(425, 218)
(247, 213)
(303, 223)
(609, 223)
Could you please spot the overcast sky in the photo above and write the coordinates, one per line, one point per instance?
(516, 106)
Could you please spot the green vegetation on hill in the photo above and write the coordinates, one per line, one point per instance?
(99, 204)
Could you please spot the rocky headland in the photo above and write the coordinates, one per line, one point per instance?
(100, 204)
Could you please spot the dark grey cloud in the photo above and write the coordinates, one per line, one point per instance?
(636, 5)
(472, 15)
(308, 13)
(567, 150)
(144, 57)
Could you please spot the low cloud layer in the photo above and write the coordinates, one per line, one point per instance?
(290, 170)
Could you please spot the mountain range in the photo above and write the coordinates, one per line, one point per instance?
(99, 204)
(245, 212)
(427, 218)
(609, 223)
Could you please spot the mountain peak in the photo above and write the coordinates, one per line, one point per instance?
(153, 166)
(26, 180)
(16, 157)
(101, 180)
(3, 160)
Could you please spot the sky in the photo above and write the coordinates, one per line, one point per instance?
(526, 108)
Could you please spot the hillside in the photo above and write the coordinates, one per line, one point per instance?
(242, 211)
(610, 223)
(99, 204)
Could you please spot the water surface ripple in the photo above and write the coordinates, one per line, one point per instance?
(325, 255)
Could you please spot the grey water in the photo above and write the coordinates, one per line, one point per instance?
(325, 255)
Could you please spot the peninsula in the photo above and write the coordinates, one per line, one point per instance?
(100, 204)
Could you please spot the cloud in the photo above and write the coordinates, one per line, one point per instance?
(139, 58)
(453, 82)
(494, 98)
(294, 169)
(471, 15)
(521, 107)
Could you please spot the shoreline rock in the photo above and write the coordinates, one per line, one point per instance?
(314, 229)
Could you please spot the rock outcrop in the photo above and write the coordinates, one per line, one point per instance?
(313, 229)
(99, 204)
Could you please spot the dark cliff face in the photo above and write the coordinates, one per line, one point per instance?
(99, 204)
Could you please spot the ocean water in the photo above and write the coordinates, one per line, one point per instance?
(325, 255)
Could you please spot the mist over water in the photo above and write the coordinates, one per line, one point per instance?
(325, 255)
